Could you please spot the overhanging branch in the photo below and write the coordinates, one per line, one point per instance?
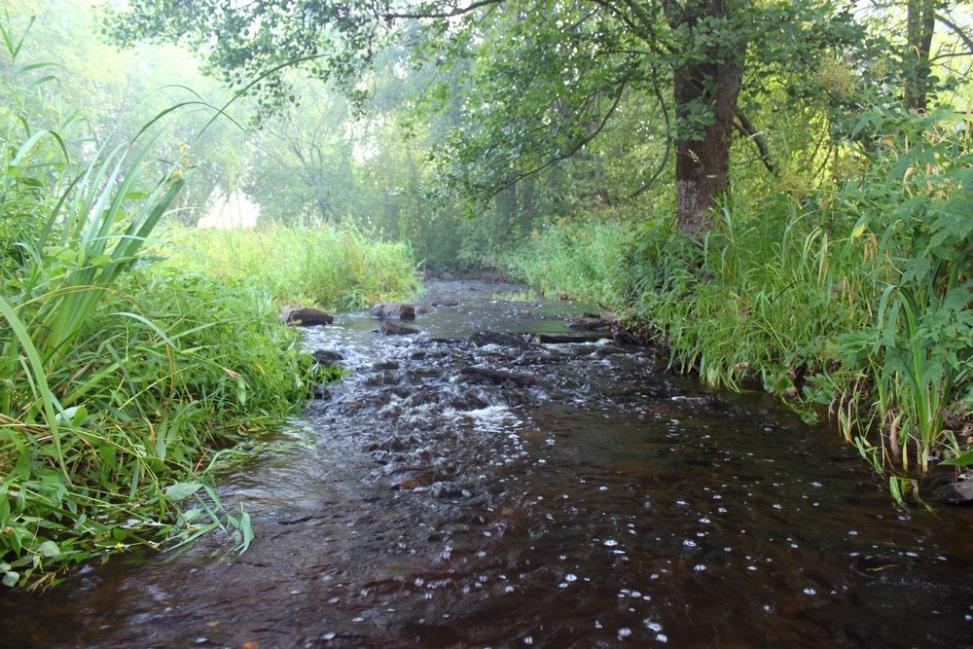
(513, 180)
(747, 129)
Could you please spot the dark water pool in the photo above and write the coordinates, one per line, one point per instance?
(587, 498)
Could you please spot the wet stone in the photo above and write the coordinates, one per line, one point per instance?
(327, 356)
(392, 329)
(394, 311)
(958, 493)
(483, 338)
(307, 317)
(498, 376)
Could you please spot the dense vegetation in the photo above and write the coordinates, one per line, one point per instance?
(778, 192)
(137, 360)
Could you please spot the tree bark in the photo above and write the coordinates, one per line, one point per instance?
(705, 93)
(920, 25)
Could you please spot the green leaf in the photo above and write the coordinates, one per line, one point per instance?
(10, 579)
(49, 549)
(963, 459)
(246, 531)
(182, 490)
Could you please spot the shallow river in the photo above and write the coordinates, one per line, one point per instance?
(587, 498)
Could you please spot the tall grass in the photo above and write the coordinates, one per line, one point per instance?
(118, 384)
(335, 267)
(123, 380)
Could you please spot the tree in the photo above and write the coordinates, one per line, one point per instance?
(576, 60)
(302, 161)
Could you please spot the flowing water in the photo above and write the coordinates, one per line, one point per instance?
(583, 497)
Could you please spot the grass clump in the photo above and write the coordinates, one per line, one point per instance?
(331, 266)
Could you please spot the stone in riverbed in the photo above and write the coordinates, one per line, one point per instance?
(392, 311)
(305, 317)
(327, 356)
(482, 338)
(500, 377)
(592, 322)
(958, 493)
(390, 329)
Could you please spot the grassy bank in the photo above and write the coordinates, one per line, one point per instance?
(124, 392)
(856, 298)
(127, 381)
(334, 267)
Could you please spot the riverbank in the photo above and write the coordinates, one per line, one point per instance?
(823, 318)
(128, 382)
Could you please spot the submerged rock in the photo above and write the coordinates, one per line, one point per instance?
(327, 356)
(306, 317)
(392, 311)
(562, 339)
(482, 338)
(391, 329)
(498, 376)
(958, 493)
(592, 322)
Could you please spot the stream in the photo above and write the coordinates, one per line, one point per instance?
(463, 490)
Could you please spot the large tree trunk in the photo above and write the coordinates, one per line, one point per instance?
(920, 25)
(706, 94)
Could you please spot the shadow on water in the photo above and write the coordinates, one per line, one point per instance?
(488, 493)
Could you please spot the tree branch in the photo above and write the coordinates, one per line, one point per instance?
(956, 29)
(657, 91)
(569, 152)
(455, 11)
(747, 129)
